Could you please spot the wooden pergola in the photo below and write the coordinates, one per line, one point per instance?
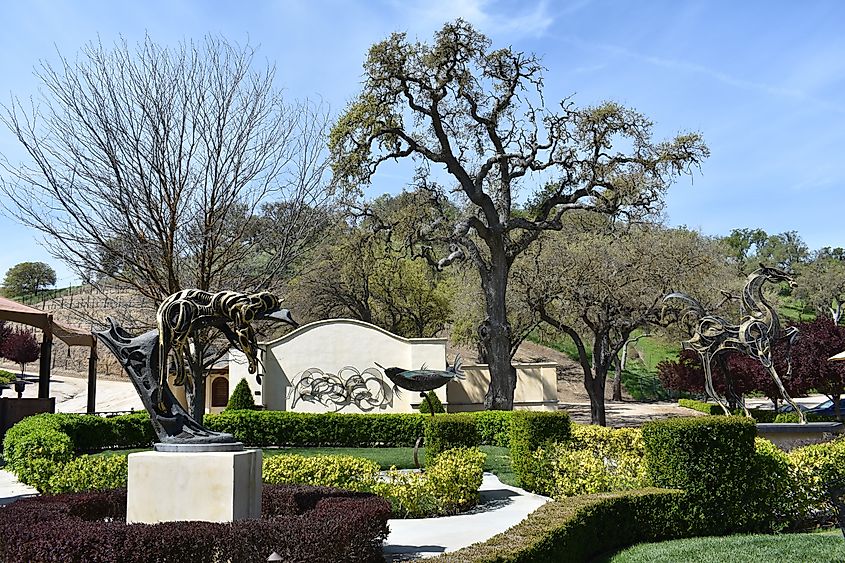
(19, 313)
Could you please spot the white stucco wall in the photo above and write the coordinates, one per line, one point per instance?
(336, 344)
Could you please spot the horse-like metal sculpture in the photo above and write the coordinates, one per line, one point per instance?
(145, 357)
(757, 331)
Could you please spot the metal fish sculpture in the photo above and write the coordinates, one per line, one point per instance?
(423, 379)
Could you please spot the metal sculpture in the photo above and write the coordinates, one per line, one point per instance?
(145, 357)
(424, 379)
(365, 389)
(758, 329)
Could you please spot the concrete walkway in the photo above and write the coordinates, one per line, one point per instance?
(11, 489)
(501, 506)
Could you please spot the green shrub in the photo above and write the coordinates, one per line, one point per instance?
(87, 473)
(295, 429)
(759, 415)
(701, 406)
(341, 471)
(435, 400)
(38, 446)
(531, 430)
(409, 493)
(448, 486)
(455, 478)
(7, 377)
(447, 431)
(241, 398)
(580, 528)
(712, 459)
(787, 417)
(494, 427)
(35, 454)
(817, 469)
(596, 459)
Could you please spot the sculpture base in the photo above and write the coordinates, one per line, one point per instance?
(788, 436)
(198, 448)
(200, 486)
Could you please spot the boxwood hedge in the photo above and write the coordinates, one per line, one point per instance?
(580, 528)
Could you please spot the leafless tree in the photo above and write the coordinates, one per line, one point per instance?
(161, 169)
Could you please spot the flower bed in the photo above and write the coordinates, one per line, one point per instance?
(299, 523)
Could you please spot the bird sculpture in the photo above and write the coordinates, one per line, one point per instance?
(424, 379)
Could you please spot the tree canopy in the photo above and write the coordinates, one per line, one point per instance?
(475, 117)
(597, 282)
(28, 278)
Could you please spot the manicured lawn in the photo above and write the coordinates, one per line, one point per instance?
(498, 459)
(827, 547)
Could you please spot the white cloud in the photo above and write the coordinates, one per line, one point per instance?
(489, 16)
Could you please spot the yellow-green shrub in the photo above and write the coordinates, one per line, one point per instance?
(409, 493)
(595, 459)
(341, 471)
(448, 486)
(455, 477)
(817, 469)
(90, 473)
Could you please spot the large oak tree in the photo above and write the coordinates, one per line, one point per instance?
(478, 113)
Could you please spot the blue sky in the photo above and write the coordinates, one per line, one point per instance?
(761, 80)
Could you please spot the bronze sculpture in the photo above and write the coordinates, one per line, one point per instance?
(145, 357)
(758, 329)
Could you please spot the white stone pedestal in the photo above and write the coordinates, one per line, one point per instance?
(205, 486)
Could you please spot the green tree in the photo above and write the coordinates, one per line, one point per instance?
(241, 397)
(821, 284)
(361, 273)
(599, 285)
(477, 113)
(28, 278)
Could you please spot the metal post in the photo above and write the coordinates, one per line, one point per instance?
(44, 369)
(92, 380)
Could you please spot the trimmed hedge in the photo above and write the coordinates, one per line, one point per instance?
(447, 431)
(713, 459)
(292, 429)
(38, 446)
(531, 430)
(282, 428)
(595, 460)
(494, 427)
(435, 401)
(299, 523)
(580, 528)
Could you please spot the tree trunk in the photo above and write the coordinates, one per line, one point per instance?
(595, 389)
(836, 407)
(617, 382)
(195, 388)
(495, 337)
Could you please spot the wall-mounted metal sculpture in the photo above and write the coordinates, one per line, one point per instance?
(758, 329)
(366, 389)
(145, 357)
